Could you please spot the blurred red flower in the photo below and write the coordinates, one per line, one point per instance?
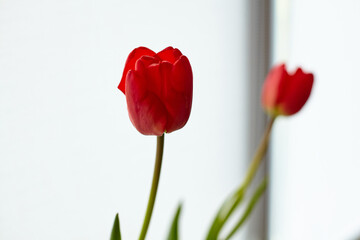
(158, 89)
(284, 93)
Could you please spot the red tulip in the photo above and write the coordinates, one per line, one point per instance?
(284, 93)
(158, 89)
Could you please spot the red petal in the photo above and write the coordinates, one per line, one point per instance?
(146, 110)
(179, 100)
(130, 63)
(274, 86)
(297, 92)
(144, 62)
(169, 54)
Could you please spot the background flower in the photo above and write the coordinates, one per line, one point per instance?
(284, 93)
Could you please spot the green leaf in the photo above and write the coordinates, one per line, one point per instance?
(225, 211)
(174, 233)
(115, 233)
(254, 199)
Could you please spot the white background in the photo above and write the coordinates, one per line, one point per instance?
(69, 156)
(315, 164)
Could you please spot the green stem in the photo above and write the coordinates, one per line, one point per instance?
(260, 152)
(154, 186)
(254, 199)
(232, 203)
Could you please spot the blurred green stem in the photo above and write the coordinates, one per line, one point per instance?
(259, 155)
(154, 186)
(231, 203)
(254, 199)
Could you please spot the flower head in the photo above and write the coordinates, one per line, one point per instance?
(158, 89)
(284, 93)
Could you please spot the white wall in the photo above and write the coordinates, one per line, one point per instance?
(69, 156)
(315, 158)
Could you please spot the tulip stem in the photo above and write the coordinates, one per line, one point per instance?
(260, 152)
(154, 186)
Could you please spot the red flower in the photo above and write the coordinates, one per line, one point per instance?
(158, 89)
(284, 93)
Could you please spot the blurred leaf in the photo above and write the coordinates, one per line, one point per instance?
(115, 233)
(225, 211)
(174, 233)
(254, 199)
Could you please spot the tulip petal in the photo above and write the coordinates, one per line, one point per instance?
(131, 61)
(182, 76)
(274, 87)
(144, 62)
(169, 54)
(146, 110)
(297, 92)
(179, 99)
(160, 77)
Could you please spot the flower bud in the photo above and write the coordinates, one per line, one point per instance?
(284, 93)
(158, 89)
